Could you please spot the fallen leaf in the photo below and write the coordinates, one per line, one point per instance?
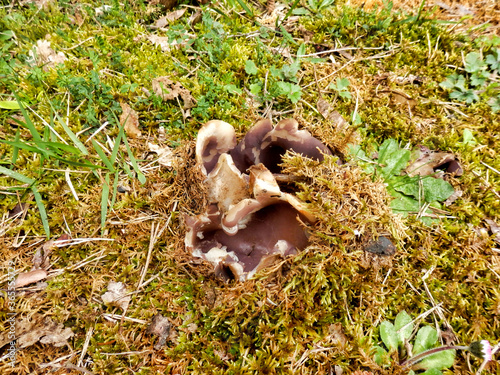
(41, 258)
(130, 121)
(103, 9)
(433, 163)
(457, 194)
(336, 334)
(43, 54)
(30, 277)
(330, 114)
(30, 331)
(116, 295)
(18, 210)
(494, 228)
(160, 41)
(166, 156)
(41, 4)
(168, 90)
(170, 17)
(160, 326)
(195, 18)
(403, 99)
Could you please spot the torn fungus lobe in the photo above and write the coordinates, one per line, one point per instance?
(271, 232)
(250, 222)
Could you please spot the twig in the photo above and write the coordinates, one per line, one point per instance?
(70, 184)
(116, 317)
(77, 45)
(85, 346)
(490, 167)
(129, 353)
(97, 131)
(69, 356)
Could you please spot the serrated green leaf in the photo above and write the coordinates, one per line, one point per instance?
(407, 185)
(389, 335)
(426, 338)
(402, 320)
(342, 83)
(468, 138)
(494, 103)
(250, 67)
(494, 61)
(292, 91)
(392, 158)
(441, 360)
(404, 205)
(436, 189)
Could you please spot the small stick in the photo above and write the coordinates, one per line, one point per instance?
(490, 167)
(85, 346)
(70, 184)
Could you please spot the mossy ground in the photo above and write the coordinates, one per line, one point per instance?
(309, 313)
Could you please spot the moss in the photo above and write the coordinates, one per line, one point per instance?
(333, 295)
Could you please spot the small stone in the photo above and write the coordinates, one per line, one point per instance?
(381, 246)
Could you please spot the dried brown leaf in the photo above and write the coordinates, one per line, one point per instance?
(170, 17)
(494, 228)
(45, 330)
(130, 121)
(160, 326)
(166, 155)
(457, 194)
(30, 277)
(160, 41)
(116, 295)
(330, 114)
(169, 90)
(43, 54)
(433, 163)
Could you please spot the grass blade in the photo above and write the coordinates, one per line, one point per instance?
(104, 201)
(116, 147)
(245, 8)
(79, 145)
(28, 123)
(15, 151)
(103, 156)
(140, 176)
(38, 197)
(41, 209)
(17, 176)
(115, 189)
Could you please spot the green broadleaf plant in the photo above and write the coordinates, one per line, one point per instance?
(396, 338)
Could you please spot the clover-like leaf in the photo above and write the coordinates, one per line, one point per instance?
(250, 67)
(473, 62)
(493, 59)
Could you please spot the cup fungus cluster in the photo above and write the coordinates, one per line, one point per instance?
(249, 221)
